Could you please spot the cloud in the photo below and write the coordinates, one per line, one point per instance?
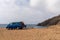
(22, 2)
(14, 12)
(47, 5)
(29, 11)
(53, 6)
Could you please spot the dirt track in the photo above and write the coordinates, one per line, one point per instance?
(51, 33)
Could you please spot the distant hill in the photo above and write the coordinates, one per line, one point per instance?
(52, 21)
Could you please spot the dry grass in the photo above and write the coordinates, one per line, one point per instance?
(51, 33)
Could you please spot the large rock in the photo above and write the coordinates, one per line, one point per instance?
(52, 21)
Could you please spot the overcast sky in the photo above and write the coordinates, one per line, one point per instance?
(29, 11)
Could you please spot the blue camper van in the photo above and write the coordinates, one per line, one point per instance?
(16, 25)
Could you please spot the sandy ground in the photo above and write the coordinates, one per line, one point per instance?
(50, 33)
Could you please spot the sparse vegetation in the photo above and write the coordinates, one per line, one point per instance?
(50, 33)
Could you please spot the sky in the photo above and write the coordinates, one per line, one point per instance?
(28, 11)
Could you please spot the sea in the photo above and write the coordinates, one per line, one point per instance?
(27, 26)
